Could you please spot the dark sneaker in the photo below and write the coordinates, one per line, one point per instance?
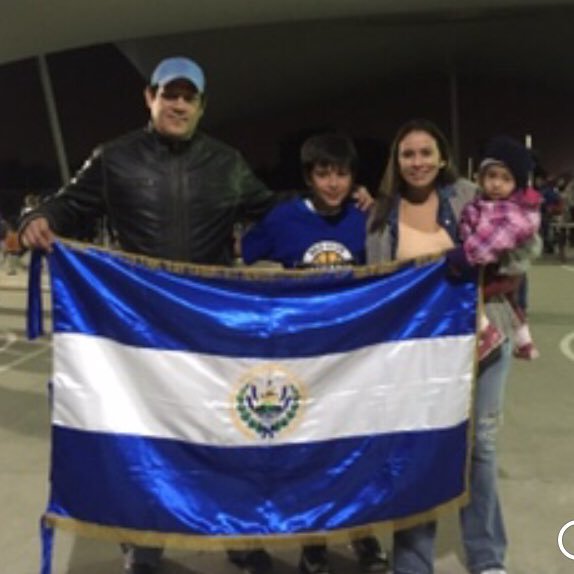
(314, 560)
(370, 556)
(251, 561)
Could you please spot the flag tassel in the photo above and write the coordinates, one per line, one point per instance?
(34, 316)
(47, 535)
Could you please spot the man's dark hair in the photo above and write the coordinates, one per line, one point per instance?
(154, 88)
(329, 149)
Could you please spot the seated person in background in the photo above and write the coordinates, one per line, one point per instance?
(499, 230)
(322, 229)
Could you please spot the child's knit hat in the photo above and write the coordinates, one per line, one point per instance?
(510, 153)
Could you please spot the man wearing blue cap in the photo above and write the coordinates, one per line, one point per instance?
(168, 191)
(172, 80)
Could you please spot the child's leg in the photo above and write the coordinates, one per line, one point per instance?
(489, 337)
(524, 347)
(483, 322)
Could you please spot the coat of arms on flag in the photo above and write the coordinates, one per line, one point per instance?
(192, 406)
(268, 400)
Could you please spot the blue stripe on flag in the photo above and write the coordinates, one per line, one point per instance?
(169, 486)
(240, 318)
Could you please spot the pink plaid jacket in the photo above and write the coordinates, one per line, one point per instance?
(489, 229)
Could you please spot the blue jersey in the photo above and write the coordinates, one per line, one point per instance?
(295, 235)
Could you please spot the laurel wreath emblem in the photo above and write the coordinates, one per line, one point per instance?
(268, 405)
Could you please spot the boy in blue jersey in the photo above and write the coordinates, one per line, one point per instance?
(323, 228)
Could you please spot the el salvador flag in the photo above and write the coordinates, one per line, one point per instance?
(193, 405)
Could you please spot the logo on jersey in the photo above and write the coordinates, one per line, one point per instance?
(327, 253)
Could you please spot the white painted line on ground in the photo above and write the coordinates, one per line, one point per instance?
(23, 359)
(9, 339)
(567, 346)
(568, 267)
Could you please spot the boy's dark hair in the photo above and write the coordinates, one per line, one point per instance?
(329, 149)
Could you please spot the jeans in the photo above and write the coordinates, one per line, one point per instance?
(481, 522)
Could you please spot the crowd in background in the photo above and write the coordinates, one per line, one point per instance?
(557, 227)
(11, 250)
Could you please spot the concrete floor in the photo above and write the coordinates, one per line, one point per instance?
(535, 462)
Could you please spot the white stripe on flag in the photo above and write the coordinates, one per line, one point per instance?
(104, 386)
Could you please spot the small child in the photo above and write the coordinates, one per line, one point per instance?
(323, 229)
(499, 231)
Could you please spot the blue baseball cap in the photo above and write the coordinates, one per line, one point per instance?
(178, 68)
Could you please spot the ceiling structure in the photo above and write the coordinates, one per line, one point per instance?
(310, 54)
(31, 27)
(262, 68)
(265, 58)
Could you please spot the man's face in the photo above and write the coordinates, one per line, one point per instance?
(175, 109)
(330, 185)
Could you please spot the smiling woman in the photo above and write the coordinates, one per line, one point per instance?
(422, 200)
(419, 174)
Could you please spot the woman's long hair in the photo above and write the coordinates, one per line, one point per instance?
(392, 182)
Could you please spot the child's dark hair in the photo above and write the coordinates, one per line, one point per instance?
(328, 149)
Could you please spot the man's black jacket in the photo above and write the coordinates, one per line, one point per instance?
(166, 199)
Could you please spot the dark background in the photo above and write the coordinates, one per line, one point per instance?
(271, 85)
